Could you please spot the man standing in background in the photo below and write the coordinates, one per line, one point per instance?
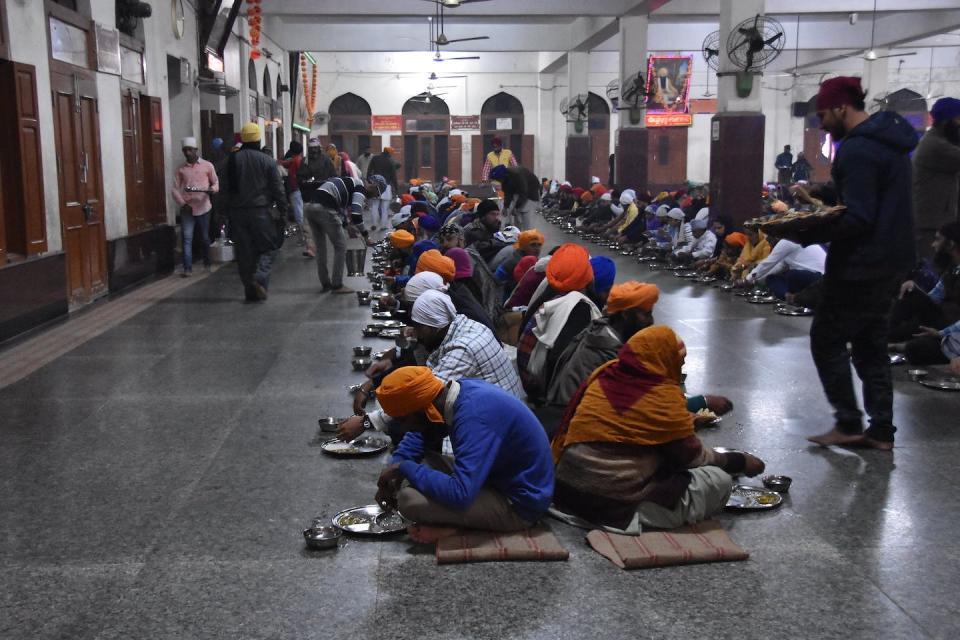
(784, 164)
(193, 183)
(499, 156)
(936, 174)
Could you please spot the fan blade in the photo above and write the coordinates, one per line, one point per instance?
(712, 52)
(466, 1)
(463, 58)
(897, 55)
(445, 42)
(772, 39)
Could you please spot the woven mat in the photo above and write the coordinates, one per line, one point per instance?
(533, 545)
(702, 542)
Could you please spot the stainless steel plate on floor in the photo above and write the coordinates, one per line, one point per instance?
(761, 299)
(391, 333)
(944, 384)
(790, 310)
(366, 446)
(382, 315)
(747, 498)
(369, 520)
(727, 287)
(706, 279)
(897, 358)
(656, 266)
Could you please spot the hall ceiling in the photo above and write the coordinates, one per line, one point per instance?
(591, 25)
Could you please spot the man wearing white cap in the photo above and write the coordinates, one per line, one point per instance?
(193, 183)
(703, 244)
(680, 233)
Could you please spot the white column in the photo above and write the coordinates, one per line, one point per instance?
(875, 74)
(732, 13)
(546, 137)
(633, 60)
(578, 83)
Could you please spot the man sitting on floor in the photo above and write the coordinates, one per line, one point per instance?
(790, 268)
(501, 475)
(458, 348)
(927, 324)
(701, 247)
(626, 453)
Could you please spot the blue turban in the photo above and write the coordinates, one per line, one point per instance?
(604, 273)
(498, 173)
(419, 248)
(217, 143)
(380, 181)
(943, 109)
(429, 223)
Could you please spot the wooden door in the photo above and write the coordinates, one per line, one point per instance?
(133, 160)
(396, 143)
(477, 155)
(599, 154)
(455, 158)
(281, 144)
(667, 158)
(526, 145)
(77, 139)
(155, 192)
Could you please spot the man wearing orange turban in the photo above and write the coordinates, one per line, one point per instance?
(569, 269)
(627, 456)
(402, 239)
(501, 475)
(438, 263)
(529, 243)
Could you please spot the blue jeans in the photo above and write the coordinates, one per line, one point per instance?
(792, 281)
(296, 202)
(189, 221)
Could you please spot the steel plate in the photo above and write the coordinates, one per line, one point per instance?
(789, 310)
(747, 498)
(369, 445)
(369, 520)
(944, 384)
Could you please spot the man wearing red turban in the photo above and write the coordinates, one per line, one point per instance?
(871, 247)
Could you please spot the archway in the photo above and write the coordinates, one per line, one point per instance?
(350, 126)
(598, 126)
(253, 101)
(501, 115)
(426, 138)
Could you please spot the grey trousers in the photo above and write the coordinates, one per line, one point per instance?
(706, 495)
(489, 512)
(522, 217)
(326, 223)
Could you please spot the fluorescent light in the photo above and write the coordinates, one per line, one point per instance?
(871, 55)
(310, 58)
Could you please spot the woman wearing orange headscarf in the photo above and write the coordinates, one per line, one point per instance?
(626, 453)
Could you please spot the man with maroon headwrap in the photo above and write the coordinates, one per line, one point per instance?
(871, 244)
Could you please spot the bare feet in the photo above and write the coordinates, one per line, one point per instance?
(341, 289)
(428, 534)
(836, 437)
(870, 443)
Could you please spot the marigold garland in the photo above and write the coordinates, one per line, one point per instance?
(254, 21)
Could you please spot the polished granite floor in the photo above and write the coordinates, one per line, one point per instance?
(154, 482)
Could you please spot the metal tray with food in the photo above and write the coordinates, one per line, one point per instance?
(761, 299)
(391, 333)
(369, 520)
(369, 445)
(944, 384)
(794, 222)
(747, 498)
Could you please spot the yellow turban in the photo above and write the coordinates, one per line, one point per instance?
(408, 390)
(402, 239)
(632, 295)
(250, 132)
(438, 263)
(414, 182)
(528, 237)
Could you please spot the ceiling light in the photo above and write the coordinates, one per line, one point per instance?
(871, 55)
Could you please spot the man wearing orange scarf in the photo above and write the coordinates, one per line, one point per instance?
(626, 454)
(501, 474)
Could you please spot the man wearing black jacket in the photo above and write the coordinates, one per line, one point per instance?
(871, 244)
(251, 186)
(521, 194)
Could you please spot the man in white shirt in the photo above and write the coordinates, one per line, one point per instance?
(701, 247)
(790, 268)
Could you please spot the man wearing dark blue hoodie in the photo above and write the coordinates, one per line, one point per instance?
(871, 244)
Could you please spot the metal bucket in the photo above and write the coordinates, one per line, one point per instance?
(356, 259)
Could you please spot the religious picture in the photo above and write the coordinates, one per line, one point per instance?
(668, 91)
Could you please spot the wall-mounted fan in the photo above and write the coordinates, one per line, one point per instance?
(321, 118)
(711, 50)
(613, 92)
(564, 107)
(577, 111)
(633, 95)
(751, 46)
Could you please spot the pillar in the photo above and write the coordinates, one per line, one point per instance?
(577, 166)
(632, 140)
(737, 130)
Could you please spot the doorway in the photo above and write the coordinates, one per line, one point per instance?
(77, 137)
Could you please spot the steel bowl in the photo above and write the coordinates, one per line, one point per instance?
(917, 374)
(780, 484)
(362, 351)
(330, 424)
(371, 332)
(361, 364)
(362, 294)
(376, 286)
(322, 538)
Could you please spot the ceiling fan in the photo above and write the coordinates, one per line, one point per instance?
(434, 76)
(440, 39)
(426, 96)
(453, 4)
(438, 58)
(871, 53)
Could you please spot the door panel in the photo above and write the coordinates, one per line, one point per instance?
(81, 185)
(132, 160)
(455, 158)
(599, 154)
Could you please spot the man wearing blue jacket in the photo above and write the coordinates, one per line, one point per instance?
(871, 245)
(501, 477)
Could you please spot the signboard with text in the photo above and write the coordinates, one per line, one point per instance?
(461, 123)
(386, 123)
